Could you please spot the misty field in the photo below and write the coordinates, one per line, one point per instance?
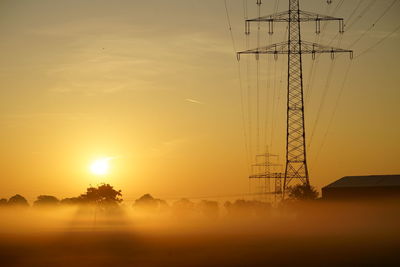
(318, 234)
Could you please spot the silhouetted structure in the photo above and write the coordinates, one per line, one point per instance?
(373, 187)
(294, 47)
(265, 172)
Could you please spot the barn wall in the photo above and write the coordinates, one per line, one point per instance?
(354, 193)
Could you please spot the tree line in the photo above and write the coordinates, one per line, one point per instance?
(106, 195)
(103, 194)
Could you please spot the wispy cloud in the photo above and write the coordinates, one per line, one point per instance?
(168, 147)
(194, 101)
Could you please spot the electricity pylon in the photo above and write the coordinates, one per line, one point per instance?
(266, 170)
(294, 47)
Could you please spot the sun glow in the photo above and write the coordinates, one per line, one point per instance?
(100, 166)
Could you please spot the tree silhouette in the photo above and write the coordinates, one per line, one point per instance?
(247, 208)
(183, 208)
(103, 194)
(71, 201)
(209, 208)
(3, 202)
(303, 192)
(148, 203)
(18, 200)
(44, 200)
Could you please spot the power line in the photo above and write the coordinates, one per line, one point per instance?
(322, 102)
(325, 91)
(346, 75)
(268, 97)
(274, 120)
(362, 13)
(274, 107)
(230, 26)
(363, 52)
(245, 9)
(315, 62)
(240, 85)
(348, 19)
(249, 97)
(248, 87)
(310, 82)
(336, 9)
(276, 6)
(378, 43)
(355, 10)
(375, 22)
(245, 16)
(258, 80)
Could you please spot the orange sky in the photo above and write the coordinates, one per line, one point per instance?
(154, 84)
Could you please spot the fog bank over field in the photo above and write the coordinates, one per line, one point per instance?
(311, 233)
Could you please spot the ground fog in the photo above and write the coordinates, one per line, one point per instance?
(310, 233)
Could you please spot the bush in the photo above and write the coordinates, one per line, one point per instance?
(150, 204)
(44, 200)
(18, 200)
(302, 192)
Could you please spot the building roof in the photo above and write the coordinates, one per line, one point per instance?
(367, 181)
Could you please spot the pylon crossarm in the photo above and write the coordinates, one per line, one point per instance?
(313, 48)
(304, 16)
(277, 17)
(310, 16)
(266, 164)
(275, 49)
(266, 155)
(284, 17)
(273, 175)
(306, 48)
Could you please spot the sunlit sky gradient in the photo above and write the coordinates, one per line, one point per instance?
(155, 85)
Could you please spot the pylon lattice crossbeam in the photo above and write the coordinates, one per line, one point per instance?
(306, 48)
(284, 16)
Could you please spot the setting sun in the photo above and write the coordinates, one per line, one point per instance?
(100, 166)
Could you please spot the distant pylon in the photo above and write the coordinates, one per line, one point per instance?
(266, 170)
(294, 47)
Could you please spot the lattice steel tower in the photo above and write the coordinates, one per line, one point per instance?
(294, 47)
